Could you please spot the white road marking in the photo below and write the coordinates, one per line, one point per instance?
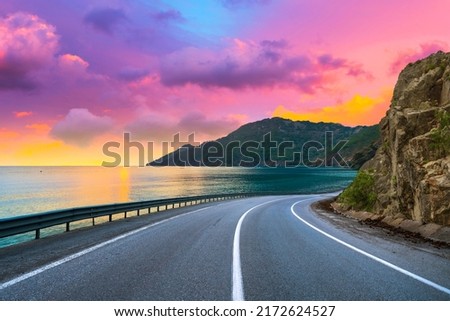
(371, 256)
(88, 250)
(236, 282)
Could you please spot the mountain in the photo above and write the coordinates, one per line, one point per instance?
(281, 142)
(409, 177)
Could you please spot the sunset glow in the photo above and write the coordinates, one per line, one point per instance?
(74, 76)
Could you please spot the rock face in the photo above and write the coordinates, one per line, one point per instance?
(412, 166)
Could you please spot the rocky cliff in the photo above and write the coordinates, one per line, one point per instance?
(409, 176)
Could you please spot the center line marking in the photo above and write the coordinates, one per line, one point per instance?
(371, 256)
(237, 283)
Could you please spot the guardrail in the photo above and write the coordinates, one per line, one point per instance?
(35, 222)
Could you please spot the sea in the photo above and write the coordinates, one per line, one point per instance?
(27, 190)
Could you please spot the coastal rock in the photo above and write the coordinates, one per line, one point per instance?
(411, 169)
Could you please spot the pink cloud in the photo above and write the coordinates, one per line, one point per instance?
(73, 63)
(80, 127)
(154, 126)
(151, 126)
(200, 124)
(413, 55)
(21, 114)
(27, 44)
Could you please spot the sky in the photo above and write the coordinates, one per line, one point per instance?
(75, 75)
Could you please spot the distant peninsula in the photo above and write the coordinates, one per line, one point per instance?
(291, 143)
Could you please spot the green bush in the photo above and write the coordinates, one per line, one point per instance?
(360, 195)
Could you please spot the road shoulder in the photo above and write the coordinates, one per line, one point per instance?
(370, 229)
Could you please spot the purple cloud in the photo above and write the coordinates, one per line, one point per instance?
(132, 74)
(244, 65)
(169, 15)
(328, 60)
(28, 45)
(80, 127)
(356, 70)
(274, 44)
(105, 19)
(249, 65)
(13, 78)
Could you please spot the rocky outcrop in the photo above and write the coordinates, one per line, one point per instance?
(411, 169)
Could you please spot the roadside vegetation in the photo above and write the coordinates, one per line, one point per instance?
(360, 195)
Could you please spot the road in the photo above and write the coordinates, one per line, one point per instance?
(261, 248)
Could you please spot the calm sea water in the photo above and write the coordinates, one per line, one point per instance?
(26, 190)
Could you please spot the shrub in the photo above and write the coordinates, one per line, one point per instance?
(440, 136)
(360, 195)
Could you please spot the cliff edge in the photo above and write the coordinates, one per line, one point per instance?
(409, 176)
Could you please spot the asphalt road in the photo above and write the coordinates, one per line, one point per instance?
(262, 248)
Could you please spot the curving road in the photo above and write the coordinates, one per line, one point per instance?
(262, 248)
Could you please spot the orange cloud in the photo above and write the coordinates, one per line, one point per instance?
(360, 110)
(21, 114)
(6, 134)
(39, 128)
